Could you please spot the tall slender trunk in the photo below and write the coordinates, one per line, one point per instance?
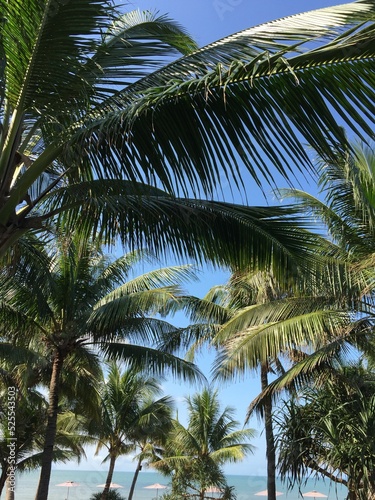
(50, 435)
(9, 490)
(3, 475)
(270, 440)
(108, 482)
(135, 477)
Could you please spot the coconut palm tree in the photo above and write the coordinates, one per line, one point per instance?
(229, 313)
(322, 318)
(25, 368)
(150, 434)
(195, 454)
(128, 409)
(74, 303)
(24, 431)
(95, 113)
(346, 213)
(258, 322)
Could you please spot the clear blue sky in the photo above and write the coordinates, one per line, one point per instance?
(208, 21)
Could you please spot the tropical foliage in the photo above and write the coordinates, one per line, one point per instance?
(347, 214)
(328, 432)
(23, 421)
(73, 303)
(104, 130)
(311, 321)
(233, 316)
(129, 415)
(112, 495)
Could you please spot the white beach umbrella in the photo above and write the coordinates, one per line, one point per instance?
(155, 486)
(68, 484)
(314, 494)
(213, 490)
(264, 493)
(112, 485)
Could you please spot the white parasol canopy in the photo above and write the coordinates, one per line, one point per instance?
(155, 486)
(213, 489)
(314, 494)
(112, 485)
(264, 493)
(68, 484)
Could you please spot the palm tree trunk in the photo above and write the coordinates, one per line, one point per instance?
(135, 477)
(50, 435)
(109, 476)
(3, 476)
(9, 490)
(270, 440)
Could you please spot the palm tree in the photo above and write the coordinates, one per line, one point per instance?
(26, 435)
(128, 409)
(94, 115)
(150, 434)
(74, 302)
(24, 369)
(230, 314)
(195, 454)
(346, 214)
(313, 317)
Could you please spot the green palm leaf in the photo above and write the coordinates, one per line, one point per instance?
(225, 233)
(156, 362)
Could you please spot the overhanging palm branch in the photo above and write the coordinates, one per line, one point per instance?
(271, 81)
(228, 233)
(79, 101)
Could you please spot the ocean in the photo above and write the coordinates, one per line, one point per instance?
(246, 486)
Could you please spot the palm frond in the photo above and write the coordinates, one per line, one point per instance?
(156, 362)
(268, 97)
(202, 230)
(135, 44)
(254, 345)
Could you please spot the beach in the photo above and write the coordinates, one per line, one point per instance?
(87, 481)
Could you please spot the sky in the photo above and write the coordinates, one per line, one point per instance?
(207, 21)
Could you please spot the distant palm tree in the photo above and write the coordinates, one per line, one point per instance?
(228, 314)
(195, 454)
(95, 114)
(258, 322)
(74, 302)
(150, 434)
(128, 410)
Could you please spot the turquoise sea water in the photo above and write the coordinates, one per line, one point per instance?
(246, 486)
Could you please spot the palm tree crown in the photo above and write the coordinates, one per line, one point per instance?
(195, 454)
(128, 412)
